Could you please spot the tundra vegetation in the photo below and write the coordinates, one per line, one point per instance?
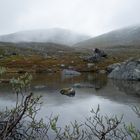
(21, 122)
(18, 58)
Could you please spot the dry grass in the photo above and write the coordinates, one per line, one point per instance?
(36, 63)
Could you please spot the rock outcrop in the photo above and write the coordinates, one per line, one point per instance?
(110, 68)
(96, 56)
(128, 70)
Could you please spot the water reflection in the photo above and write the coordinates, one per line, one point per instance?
(98, 80)
(89, 83)
(128, 87)
(114, 97)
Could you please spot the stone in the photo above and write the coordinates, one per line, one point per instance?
(68, 91)
(72, 62)
(96, 56)
(90, 65)
(112, 67)
(128, 70)
(100, 52)
(70, 72)
(102, 71)
(62, 65)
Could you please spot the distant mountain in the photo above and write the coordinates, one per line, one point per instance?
(126, 37)
(54, 35)
(34, 47)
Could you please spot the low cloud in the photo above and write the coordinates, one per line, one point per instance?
(91, 17)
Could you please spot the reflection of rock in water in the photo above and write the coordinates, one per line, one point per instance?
(129, 87)
(98, 80)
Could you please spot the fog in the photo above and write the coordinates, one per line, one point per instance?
(91, 17)
(54, 35)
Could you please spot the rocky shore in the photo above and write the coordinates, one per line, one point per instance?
(90, 61)
(127, 70)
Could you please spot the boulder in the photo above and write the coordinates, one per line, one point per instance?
(96, 56)
(128, 70)
(68, 91)
(110, 68)
(70, 72)
(101, 53)
(93, 58)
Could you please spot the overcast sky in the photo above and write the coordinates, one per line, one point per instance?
(91, 17)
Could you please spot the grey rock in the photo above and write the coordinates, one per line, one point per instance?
(102, 71)
(128, 70)
(70, 72)
(96, 56)
(101, 53)
(93, 58)
(90, 65)
(112, 67)
(62, 65)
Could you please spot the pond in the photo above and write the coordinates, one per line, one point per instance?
(114, 97)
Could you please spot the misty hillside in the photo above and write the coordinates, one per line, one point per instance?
(34, 47)
(129, 37)
(54, 35)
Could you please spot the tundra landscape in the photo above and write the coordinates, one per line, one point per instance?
(69, 70)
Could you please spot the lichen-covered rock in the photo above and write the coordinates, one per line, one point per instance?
(128, 70)
(68, 91)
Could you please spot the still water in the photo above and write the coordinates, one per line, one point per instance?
(114, 97)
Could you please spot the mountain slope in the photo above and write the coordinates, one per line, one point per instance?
(34, 47)
(129, 36)
(54, 35)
